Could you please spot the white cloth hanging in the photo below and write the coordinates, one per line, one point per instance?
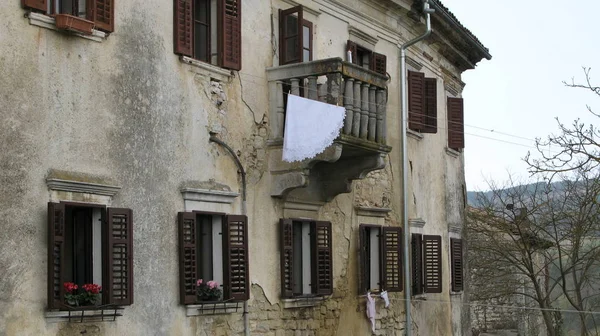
(384, 296)
(371, 310)
(310, 127)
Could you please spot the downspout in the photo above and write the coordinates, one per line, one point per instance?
(238, 163)
(403, 126)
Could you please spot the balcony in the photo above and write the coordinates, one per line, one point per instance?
(359, 149)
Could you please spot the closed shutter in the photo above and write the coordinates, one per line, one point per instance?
(363, 280)
(379, 63)
(56, 254)
(417, 263)
(391, 261)
(353, 49)
(235, 258)
(187, 257)
(182, 27)
(430, 106)
(432, 255)
(287, 258)
(456, 136)
(230, 34)
(118, 253)
(290, 35)
(322, 267)
(102, 12)
(38, 5)
(456, 256)
(416, 100)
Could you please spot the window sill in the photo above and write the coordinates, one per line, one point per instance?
(455, 293)
(214, 308)
(207, 69)
(452, 152)
(45, 21)
(83, 314)
(304, 301)
(420, 297)
(414, 134)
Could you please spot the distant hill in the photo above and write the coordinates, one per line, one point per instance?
(473, 196)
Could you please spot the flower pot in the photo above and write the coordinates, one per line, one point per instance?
(74, 23)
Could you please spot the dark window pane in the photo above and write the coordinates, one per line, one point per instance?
(306, 55)
(306, 37)
(297, 261)
(67, 7)
(205, 250)
(201, 10)
(201, 51)
(291, 25)
(291, 48)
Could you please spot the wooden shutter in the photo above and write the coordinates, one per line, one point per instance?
(322, 266)
(182, 27)
(235, 258)
(417, 263)
(391, 260)
(102, 12)
(363, 281)
(456, 257)
(353, 48)
(230, 34)
(416, 100)
(378, 63)
(456, 136)
(118, 261)
(432, 255)
(56, 254)
(430, 106)
(37, 5)
(287, 258)
(187, 257)
(289, 39)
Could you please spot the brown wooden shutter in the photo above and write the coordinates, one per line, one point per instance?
(363, 281)
(118, 261)
(288, 41)
(456, 255)
(187, 257)
(322, 266)
(430, 106)
(456, 136)
(235, 258)
(230, 34)
(378, 63)
(416, 100)
(182, 27)
(102, 12)
(287, 258)
(56, 254)
(37, 5)
(391, 260)
(353, 48)
(432, 255)
(417, 263)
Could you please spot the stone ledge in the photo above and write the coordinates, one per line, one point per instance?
(372, 212)
(45, 21)
(452, 152)
(82, 187)
(418, 223)
(207, 195)
(414, 134)
(207, 69)
(301, 302)
(216, 308)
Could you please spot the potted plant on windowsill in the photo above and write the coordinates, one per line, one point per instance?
(74, 23)
(208, 291)
(88, 296)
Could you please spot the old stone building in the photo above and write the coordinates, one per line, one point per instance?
(141, 150)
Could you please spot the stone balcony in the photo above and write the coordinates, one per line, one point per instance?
(359, 149)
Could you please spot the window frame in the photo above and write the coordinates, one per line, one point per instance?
(390, 259)
(457, 265)
(100, 12)
(456, 126)
(377, 61)
(426, 262)
(422, 102)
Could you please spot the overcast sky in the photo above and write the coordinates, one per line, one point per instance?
(535, 45)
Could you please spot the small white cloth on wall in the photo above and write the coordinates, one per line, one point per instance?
(371, 310)
(310, 127)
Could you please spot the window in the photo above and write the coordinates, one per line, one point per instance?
(295, 36)
(456, 134)
(209, 31)
(456, 263)
(88, 243)
(306, 258)
(100, 12)
(422, 103)
(367, 58)
(426, 263)
(380, 258)
(213, 246)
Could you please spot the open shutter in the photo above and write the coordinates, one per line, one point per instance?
(363, 281)
(322, 266)
(230, 34)
(56, 254)
(38, 5)
(417, 263)
(290, 35)
(456, 256)
(118, 262)
(187, 257)
(430, 106)
(182, 27)
(102, 12)
(379, 63)
(432, 250)
(235, 258)
(456, 136)
(391, 261)
(287, 258)
(416, 100)
(353, 49)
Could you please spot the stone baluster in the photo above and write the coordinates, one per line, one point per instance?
(356, 118)
(364, 111)
(312, 88)
(349, 104)
(372, 113)
(295, 86)
(381, 122)
(280, 111)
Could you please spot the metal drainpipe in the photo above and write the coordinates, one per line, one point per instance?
(403, 127)
(244, 211)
